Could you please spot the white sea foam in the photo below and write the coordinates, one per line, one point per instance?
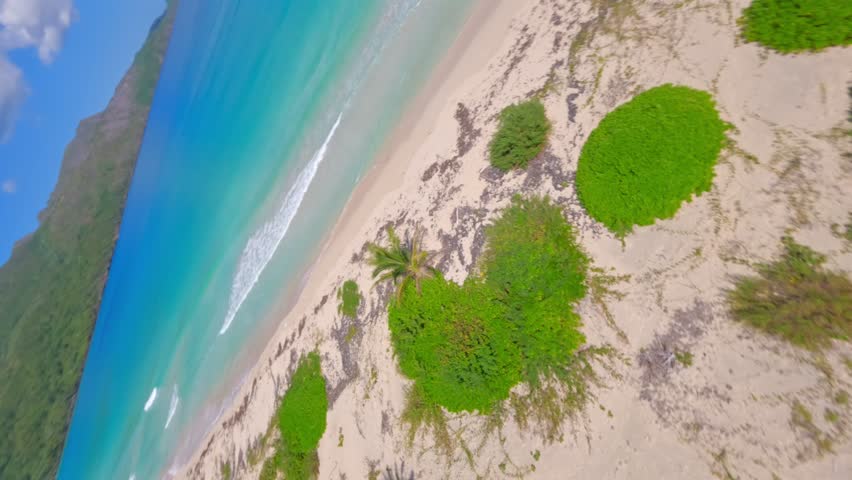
(151, 399)
(262, 245)
(132, 477)
(173, 405)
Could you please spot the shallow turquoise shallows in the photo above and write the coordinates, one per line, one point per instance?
(266, 115)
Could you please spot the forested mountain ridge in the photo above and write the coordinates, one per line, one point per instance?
(51, 287)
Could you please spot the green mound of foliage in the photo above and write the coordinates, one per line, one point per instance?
(301, 416)
(455, 342)
(466, 346)
(537, 270)
(521, 135)
(795, 298)
(350, 298)
(301, 423)
(650, 155)
(798, 25)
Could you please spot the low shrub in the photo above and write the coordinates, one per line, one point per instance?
(534, 265)
(350, 299)
(301, 416)
(301, 423)
(650, 155)
(798, 25)
(796, 299)
(455, 342)
(465, 346)
(521, 135)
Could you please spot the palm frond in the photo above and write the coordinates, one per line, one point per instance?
(401, 261)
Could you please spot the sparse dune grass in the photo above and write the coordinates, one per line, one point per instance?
(521, 136)
(798, 25)
(796, 298)
(650, 155)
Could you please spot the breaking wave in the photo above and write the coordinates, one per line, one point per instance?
(173, 405)
(151, 399)
(263, 243)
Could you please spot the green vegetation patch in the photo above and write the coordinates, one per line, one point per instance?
(466, 346)
(650, 155)
(521, 135)
(536, 269)
(796, 299)
(301, 423)
(350, 298)
(301, 416)
(798, 25)
(454, 341)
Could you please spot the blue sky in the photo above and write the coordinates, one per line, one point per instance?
(60, 61)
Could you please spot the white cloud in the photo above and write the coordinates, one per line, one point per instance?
(9, 186)
(13, 92)
(38, 24)
(35, 23)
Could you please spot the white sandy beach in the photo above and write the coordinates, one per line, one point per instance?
(726, 416)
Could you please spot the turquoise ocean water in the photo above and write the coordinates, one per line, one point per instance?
(266, 115)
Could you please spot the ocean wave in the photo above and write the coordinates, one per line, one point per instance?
(173, 405)
(151, 399)
(263, 243)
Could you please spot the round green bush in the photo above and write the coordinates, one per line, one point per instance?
(521, 135)
(301, 416)
(798, 25)
(455, 343)
(650, 155)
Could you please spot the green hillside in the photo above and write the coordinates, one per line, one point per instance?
(51, 287)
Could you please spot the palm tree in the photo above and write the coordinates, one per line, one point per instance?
(401, 262)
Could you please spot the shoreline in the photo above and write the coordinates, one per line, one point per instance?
(484, 24)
